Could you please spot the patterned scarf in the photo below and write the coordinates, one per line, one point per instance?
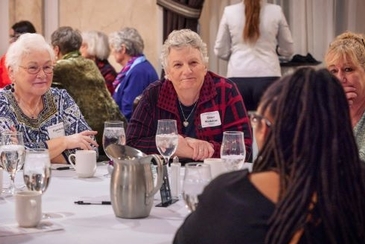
(123, 73)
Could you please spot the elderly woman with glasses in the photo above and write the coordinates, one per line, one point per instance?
(47, 117)
(345, 58)
(203, 103)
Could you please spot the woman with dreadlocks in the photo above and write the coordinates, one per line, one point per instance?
(307, 181)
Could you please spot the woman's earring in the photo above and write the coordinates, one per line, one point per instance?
(12, 89)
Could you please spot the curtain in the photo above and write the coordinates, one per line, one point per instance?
(180, 14)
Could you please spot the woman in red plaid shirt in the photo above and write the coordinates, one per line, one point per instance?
(203, 103)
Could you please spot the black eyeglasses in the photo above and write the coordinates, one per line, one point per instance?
(255, 118)
(48, 69)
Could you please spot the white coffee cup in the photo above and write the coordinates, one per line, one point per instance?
(28, 208)
(216, 166)
(84, 162)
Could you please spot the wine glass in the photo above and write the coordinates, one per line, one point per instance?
(166, 138)
(233, 151)
(113, 134)
(37, 170)
(197, 176)
(12, 152)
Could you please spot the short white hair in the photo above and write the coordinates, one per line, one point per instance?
(25, 44)
(97, 44)
(183, 38)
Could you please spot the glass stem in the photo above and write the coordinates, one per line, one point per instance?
(12, 184)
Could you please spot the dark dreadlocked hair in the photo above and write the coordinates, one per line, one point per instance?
(312, 147)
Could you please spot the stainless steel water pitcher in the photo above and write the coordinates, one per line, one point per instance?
(132, 184)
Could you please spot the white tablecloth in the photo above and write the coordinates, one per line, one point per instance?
(91, 223)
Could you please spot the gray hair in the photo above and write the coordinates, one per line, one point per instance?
(97, 44)
(66, 39)
(183, 38)
(130, 38)
(26, 44)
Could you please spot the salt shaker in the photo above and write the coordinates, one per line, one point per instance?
(175, 178)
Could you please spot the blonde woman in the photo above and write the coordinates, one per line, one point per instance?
(345, 58)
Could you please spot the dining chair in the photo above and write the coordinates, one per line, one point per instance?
(252, 88)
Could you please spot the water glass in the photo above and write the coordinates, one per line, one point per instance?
(12, 152)
(37, 169)
(197, 176)
(166, 138)
(113, 134)
(233, 151)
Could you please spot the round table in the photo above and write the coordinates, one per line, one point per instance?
(89, 223)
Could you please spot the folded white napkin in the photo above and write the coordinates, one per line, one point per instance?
(14, 229)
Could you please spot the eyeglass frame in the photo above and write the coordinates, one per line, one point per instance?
(38, 69)
(255, 118)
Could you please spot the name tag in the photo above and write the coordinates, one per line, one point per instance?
(56, 130)
(210, 119)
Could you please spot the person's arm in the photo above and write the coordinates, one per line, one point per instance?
(83, 140)
(285, 40)
(222, 47)
(78, 134)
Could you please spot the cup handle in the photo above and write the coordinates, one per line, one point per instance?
(71, 158)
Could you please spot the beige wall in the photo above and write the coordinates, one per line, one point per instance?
(26, 10)
(106, 16)
(111, 15)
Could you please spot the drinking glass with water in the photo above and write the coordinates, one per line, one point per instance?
(197, 176)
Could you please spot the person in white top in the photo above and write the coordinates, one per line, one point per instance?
(251, 35)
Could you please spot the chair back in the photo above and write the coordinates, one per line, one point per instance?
(252, 88)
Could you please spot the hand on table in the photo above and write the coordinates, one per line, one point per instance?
(83, 140)
(201, 149)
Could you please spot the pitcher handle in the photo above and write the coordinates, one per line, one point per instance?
(159, 176)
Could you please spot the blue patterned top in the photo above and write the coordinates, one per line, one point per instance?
(58, 107)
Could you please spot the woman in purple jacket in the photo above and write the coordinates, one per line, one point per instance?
(137, 73)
